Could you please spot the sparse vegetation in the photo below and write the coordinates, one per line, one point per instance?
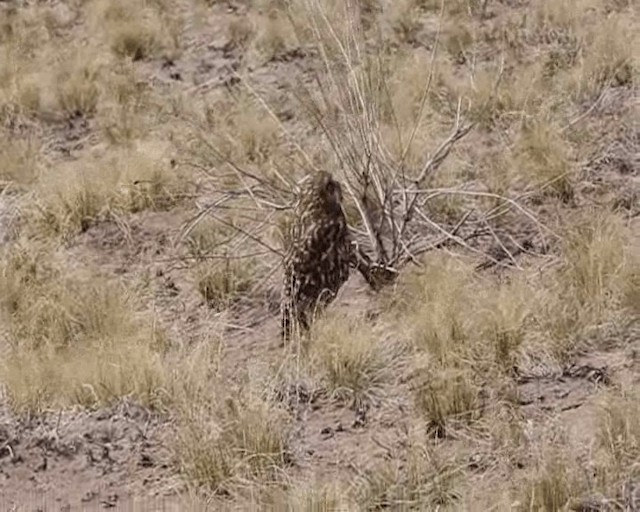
(220, 282)
(72, 196)
(225, 445)
(352, 361)
(427, 480)
(150, 152)
(78, 338)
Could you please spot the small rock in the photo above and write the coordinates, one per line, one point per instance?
(145, 461)
(110, 501)
(361, 418)
(327, 432)
(88, 496)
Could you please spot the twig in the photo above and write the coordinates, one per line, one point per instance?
(194, 221)
(501, 244)
(456, 239)
(443, 150)
(522, 209)
(444, 240)
(247, 234)
(273, 116)
(432, 164)
(595, 104)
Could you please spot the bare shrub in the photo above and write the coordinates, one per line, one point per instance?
(368, 147)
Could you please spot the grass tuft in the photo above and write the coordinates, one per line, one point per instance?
(77, 89)
(543, 157)
(353, 362)
(220, 282)
(551, 488)
(223, 444)
(427, 479)
(447, 397)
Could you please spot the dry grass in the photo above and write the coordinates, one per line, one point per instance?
(71, 196)
(561, 477)
(138, 30)
(80, 339)
(428, 479)
(543, 157)
(225, 446)
(220, 283)
(77, 89)
(274, 37)
(20, 160)
(226, 439)
(111, 111)
(308, 497)
(551, 487)
(353, 362)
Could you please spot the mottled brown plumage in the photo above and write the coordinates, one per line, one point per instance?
(317, 255)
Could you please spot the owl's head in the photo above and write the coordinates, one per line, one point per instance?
(327, 191)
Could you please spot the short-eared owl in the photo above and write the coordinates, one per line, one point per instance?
(318, 252)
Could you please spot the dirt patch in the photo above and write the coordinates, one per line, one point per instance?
(71, 460)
